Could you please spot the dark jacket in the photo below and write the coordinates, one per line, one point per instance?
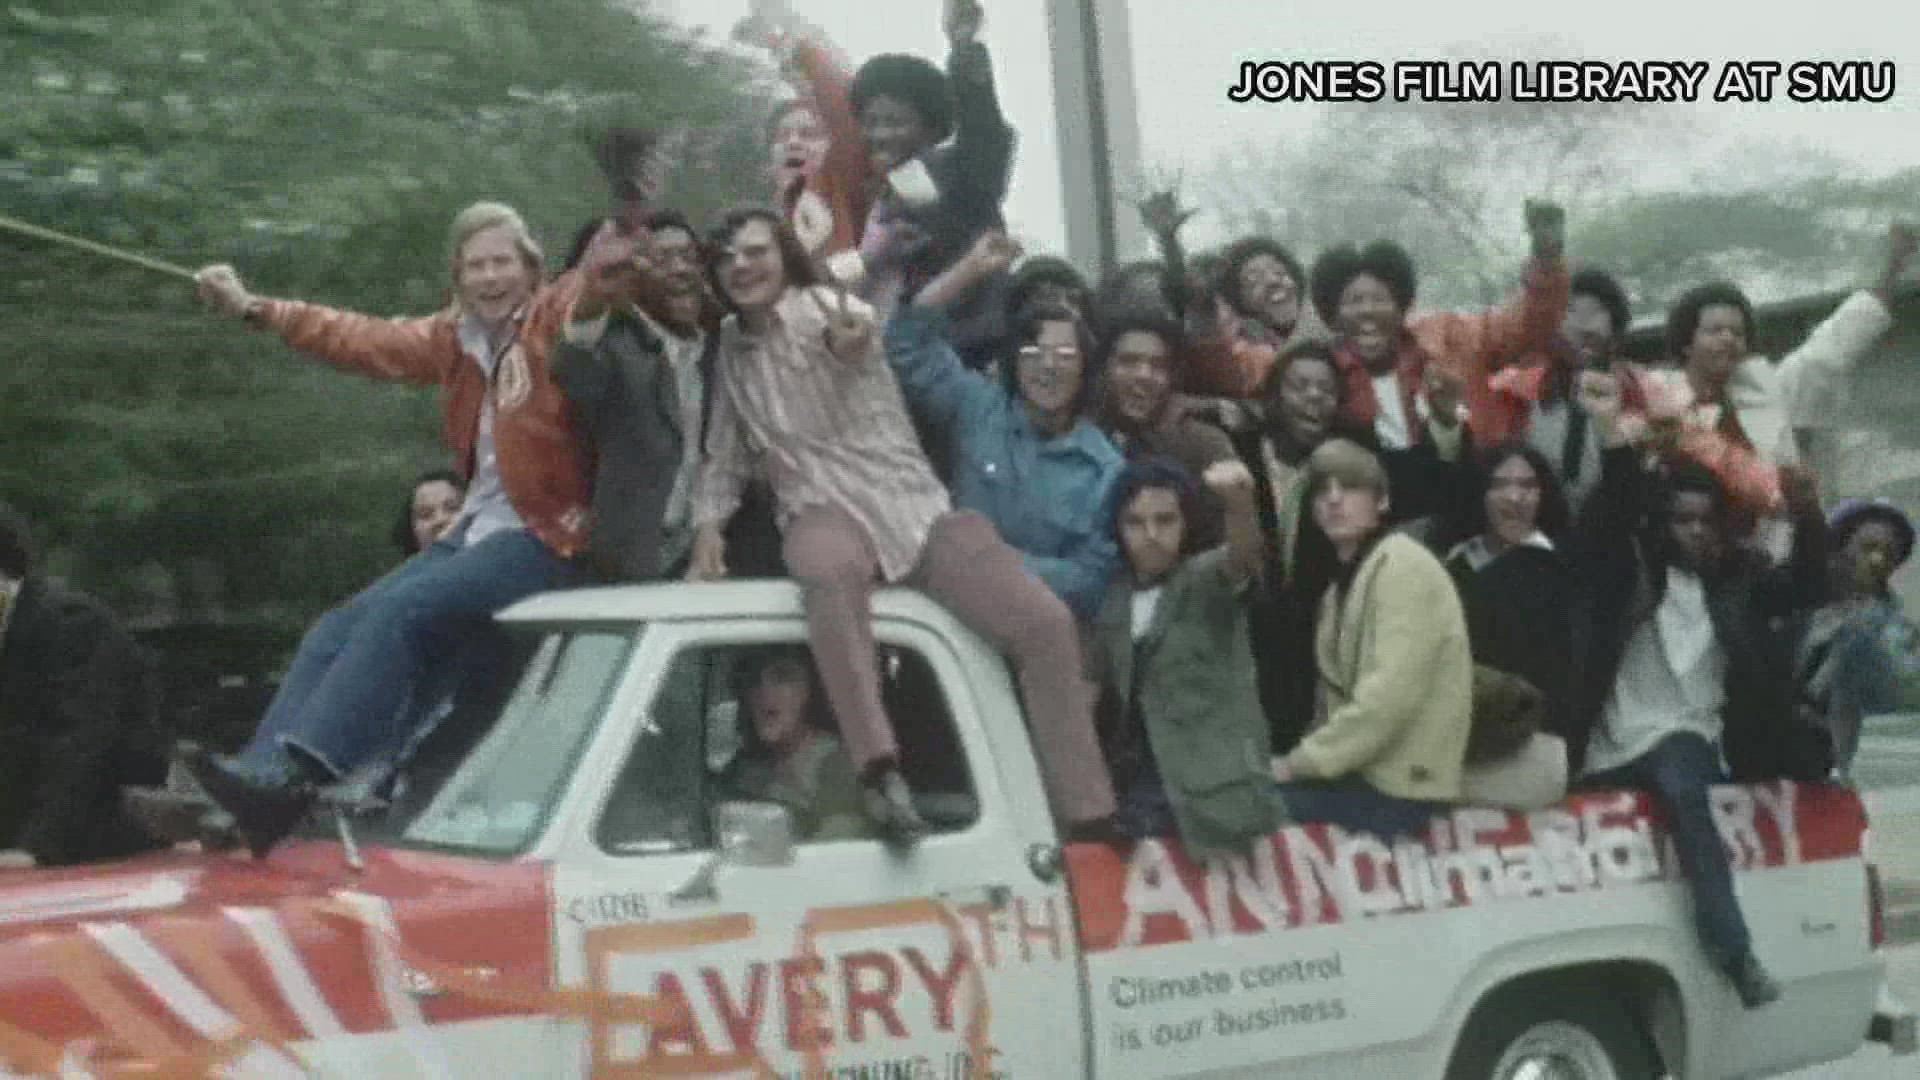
(1192, 679)
(971, 172)
(78, 719)
(626, 400)
(1519, 620)
(1622, 581)
(625, 397)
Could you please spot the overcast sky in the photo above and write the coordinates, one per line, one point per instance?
(1187, 52)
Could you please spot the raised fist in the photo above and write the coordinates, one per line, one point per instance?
(1162, 213)
(1230, 480)
(1547, 225)
(221, 289)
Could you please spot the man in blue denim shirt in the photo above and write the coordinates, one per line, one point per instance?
(1024, 455)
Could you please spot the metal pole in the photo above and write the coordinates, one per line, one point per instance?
(1099, 134)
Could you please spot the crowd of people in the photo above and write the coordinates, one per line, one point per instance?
(1263, 542)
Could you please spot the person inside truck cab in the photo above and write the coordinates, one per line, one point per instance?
(1183, 731)
(805, 395)
(524, 519)
(1023, 452)
(1394, 665)
(1686, 683)
(788, 753)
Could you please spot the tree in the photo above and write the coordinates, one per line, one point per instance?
(1447, 180)
(322, 147)
(1808, 230)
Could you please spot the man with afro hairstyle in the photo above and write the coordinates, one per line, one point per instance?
(939, 194)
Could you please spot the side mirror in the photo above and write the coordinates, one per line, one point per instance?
(756, 834)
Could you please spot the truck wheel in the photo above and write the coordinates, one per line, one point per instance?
(1564, 1036)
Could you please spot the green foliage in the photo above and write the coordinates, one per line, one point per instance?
(1812, 233)
(321, 147)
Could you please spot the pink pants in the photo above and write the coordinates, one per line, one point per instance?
(969, 570)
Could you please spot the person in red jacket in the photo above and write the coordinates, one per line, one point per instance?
(822, 174)
(341, 705)
(1389, 362)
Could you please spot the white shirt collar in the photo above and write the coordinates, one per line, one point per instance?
(1478, 555)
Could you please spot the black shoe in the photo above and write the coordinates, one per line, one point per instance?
(263, 813)
(889, 805)
(1756, 988)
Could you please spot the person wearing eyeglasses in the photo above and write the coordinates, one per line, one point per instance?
(1024, 453)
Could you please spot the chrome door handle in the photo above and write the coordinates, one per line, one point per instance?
(989, 897)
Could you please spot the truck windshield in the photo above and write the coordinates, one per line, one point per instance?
(499, 799)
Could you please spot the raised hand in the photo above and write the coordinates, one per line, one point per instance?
(1162, 213)
(1598, 395)
(849, 333)
(1903, 242)
(962, 20)
(220, 288)
(1800, 490)
(617, 270)
(1446, 393)
(993, 252)
(1547, 226)
(1230, 480)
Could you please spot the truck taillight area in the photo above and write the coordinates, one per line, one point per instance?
(1876, 908)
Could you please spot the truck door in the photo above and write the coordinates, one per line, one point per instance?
(954, 959)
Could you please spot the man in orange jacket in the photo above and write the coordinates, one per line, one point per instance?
(342, 703)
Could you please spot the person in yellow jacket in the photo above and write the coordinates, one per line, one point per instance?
(1395, 672)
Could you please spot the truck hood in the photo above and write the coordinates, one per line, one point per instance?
(184, 961)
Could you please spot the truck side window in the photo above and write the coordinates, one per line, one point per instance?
(751, 723)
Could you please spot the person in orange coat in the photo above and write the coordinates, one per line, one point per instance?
(341, 705)
(822, 173)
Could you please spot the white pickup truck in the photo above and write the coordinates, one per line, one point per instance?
(573, 900)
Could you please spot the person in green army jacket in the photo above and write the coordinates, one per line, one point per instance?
(1183, 729)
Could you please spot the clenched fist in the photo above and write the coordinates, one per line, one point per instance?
(221, 289)
(1231, 481)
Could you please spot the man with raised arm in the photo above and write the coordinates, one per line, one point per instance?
(525, 518)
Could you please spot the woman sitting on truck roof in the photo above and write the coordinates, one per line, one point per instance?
(1184, 733)
(1395, 670)
(788, 754)
(805, 397)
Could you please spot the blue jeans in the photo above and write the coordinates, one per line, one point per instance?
(369, 671)
(1356, 806)
(1678, 772)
